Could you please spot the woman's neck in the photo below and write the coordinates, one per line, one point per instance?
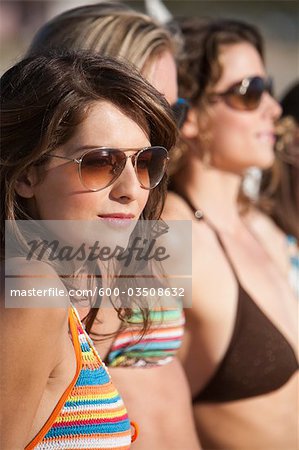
(213, 191)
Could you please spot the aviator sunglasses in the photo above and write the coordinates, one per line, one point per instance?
(180, 110)
(99, 168)
(245, 95)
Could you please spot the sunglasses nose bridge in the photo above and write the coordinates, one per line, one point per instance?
(133, 160)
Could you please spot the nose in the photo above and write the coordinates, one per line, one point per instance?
(272, 107)
(126, 187)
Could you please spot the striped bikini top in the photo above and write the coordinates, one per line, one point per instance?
(90, 414)
(156, 347)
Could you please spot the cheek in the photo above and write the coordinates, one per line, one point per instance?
(142, 199)
(229, 140)
(60, 196)
(171, 90)
(232, 129)
(234, 143)
(66, 206)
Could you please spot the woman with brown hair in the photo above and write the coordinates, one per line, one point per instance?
(82, 137)
(241, 338)
(144, 367)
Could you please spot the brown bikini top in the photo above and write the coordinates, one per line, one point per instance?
(258, 360)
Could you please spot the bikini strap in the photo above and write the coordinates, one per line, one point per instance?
(199, 215)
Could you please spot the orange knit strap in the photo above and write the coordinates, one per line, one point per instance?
(136, 431)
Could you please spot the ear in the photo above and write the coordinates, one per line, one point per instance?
(190, 129)
(24, 186)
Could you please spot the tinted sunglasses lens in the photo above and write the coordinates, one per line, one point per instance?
(254, 92)
(180, 111)
(100, 167)
(151, 165)
(249, 95)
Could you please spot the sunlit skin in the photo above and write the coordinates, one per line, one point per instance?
(238, 140)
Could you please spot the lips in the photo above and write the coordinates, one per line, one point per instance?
(117, 220)
(266, 136)
(117, 216)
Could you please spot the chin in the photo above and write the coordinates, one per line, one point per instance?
(264, 158)
(266, 163)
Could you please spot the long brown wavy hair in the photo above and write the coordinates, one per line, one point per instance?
(45, 98)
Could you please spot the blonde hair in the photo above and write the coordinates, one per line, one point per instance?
(110, 29)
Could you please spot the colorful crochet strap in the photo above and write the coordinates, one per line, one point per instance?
(90, 414)
(157, 347)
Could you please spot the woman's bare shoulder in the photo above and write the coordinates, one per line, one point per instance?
(32, 339)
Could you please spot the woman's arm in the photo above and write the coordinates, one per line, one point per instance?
(30, 339)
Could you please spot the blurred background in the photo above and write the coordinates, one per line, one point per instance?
(277, 19)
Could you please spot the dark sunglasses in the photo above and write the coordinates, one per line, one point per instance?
(99, 168)
(180, 110)
(245, 95)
